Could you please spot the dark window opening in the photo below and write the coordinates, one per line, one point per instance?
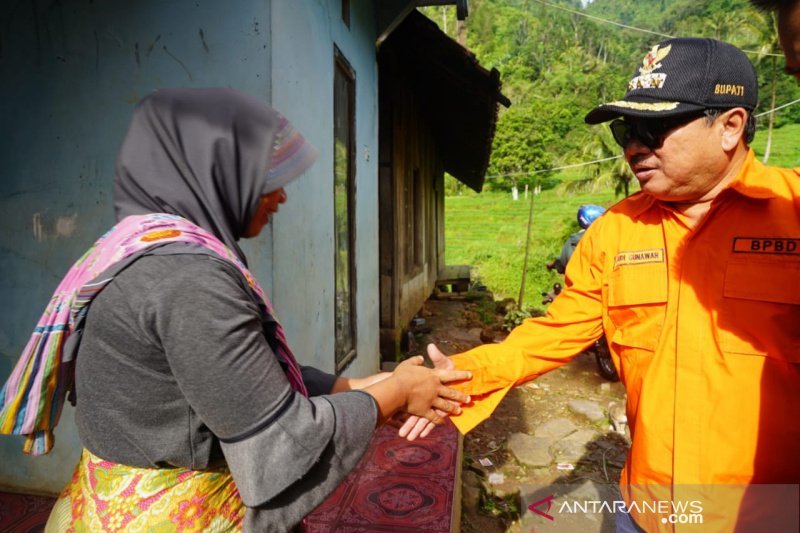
(346, 12)
(344, 189)
(414, 213)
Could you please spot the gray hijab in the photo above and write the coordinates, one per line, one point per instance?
(207, 155)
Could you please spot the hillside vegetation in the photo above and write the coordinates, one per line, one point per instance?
(557, 63)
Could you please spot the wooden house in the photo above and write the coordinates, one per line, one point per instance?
(438, 109)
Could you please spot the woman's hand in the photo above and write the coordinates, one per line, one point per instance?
(419, 390)
(412, 426)
(425, 392)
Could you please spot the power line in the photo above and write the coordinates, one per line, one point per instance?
(776, 108)
(587, 163)
(574, 165)
(621, 25)
(634, 28)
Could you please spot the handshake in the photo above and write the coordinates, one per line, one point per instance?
(415, 398)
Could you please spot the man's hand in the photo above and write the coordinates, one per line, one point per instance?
(415, 426)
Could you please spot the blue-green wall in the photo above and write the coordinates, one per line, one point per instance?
(71, 74)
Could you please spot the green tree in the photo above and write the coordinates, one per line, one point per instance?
(764, 28)
(520, 149)
(611, 172)
(556, 65)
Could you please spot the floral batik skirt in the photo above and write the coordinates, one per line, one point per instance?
(106, 497)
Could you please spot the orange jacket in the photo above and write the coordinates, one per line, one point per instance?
(703, 325)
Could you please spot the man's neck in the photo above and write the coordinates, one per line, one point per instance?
(695, 210)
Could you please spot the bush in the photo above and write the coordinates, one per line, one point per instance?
(514, 318)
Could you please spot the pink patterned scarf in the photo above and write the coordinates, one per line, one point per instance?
(32, 398)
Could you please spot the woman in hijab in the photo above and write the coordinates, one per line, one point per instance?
(193, 413)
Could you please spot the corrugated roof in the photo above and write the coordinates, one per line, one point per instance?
(458, 95)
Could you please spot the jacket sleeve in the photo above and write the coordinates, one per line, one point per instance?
(317, 382)
(572, 323)
(286, 452)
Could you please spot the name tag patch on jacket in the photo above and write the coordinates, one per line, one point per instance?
(762, 245)
(639, 257)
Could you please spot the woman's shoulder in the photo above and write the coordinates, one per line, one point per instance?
(163, 276)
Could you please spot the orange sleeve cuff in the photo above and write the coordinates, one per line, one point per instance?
(491, 381)
(478, 410)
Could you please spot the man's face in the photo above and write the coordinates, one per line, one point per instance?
(687, 165)
(789, 35)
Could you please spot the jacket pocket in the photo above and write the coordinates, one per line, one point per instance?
(760, 311)
(637, 297)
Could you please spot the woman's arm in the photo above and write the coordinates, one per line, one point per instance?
(343, 384)
(286, 452)
(419, 391)
(410, 388)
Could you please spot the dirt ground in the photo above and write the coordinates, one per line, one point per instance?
(456, 323)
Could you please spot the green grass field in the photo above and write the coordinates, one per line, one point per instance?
(488, 230)
(785, 151)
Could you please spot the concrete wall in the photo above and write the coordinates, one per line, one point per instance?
(72, 72)
(303, 38)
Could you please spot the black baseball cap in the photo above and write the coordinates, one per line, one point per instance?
(682, 76)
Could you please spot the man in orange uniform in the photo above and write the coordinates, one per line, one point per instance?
(695, 281)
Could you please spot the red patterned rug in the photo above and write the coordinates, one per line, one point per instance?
(23, 513)
(398, 486)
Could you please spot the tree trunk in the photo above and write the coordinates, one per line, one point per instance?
(525, 260)
(768, 144)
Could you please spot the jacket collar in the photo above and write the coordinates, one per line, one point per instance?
(752, 181)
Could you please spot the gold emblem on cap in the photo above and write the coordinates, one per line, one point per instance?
(642, 106)
(648, 79)
(652, 60)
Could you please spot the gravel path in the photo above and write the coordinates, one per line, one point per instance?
(561, 436)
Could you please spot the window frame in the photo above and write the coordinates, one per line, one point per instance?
(343, 68)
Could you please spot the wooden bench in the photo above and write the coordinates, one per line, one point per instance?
(453, 278)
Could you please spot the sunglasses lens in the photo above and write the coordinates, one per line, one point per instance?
(621, 131)
(649, 133)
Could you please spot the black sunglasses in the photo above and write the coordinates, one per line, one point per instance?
(650, 132)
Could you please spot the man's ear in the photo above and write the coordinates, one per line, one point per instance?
(732, 123)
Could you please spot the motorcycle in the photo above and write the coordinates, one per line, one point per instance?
(602, 355)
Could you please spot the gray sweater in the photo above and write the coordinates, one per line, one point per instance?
(174, 369)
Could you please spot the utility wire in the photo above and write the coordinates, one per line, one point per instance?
(621, 25)
(776, 108)
(606, 21)
(587, 163)
(574, 165)
(634, 28)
